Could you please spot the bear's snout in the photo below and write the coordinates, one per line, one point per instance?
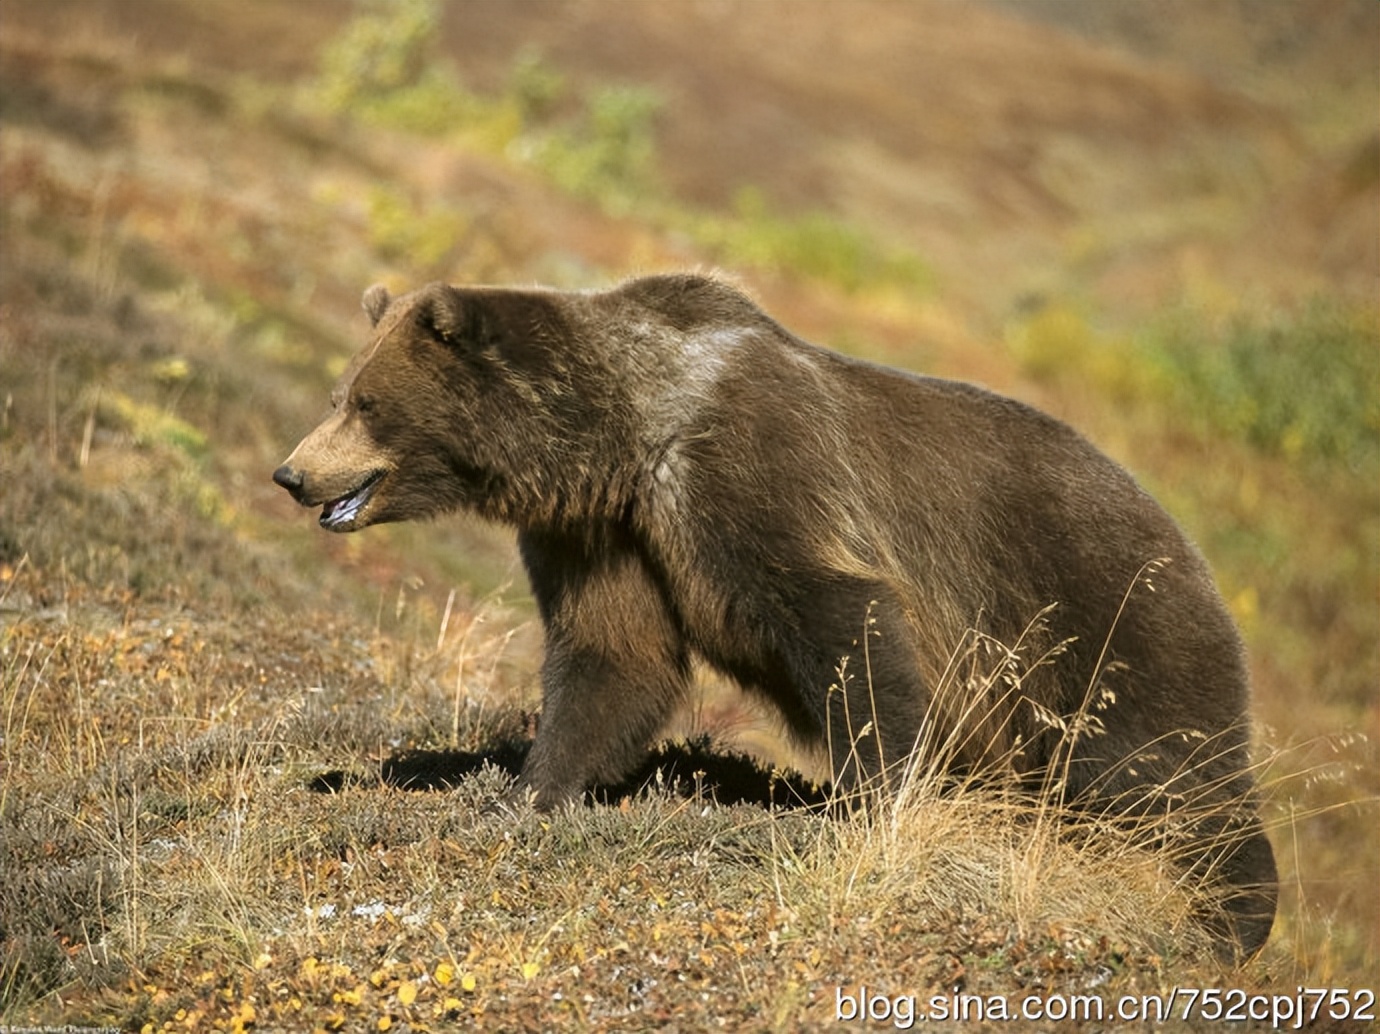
(289, 478)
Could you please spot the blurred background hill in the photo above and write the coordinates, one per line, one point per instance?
(1158, 219)
(1137, 143)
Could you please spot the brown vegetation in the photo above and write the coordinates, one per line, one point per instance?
(184, 660)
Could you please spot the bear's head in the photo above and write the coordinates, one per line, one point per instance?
(448, 406)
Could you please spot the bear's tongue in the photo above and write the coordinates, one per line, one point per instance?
(345, 509)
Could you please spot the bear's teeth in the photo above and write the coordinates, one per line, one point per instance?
(345, 509)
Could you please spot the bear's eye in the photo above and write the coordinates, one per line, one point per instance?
(364, 404)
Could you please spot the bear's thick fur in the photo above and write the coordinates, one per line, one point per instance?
(690, 480)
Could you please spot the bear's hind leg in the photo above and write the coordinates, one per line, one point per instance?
(1231, 858)
(856, 656)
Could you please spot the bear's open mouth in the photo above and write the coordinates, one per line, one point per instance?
(339, 514)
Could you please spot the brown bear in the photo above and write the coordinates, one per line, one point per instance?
(690, 480)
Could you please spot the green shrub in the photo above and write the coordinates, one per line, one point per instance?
(421, 238)
(1303, 385)
(535, 87)
(815, 244)
(383, 68)
(607, 153)
(599, 145)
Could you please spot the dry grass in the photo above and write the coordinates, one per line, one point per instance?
(190, 866)
(241, 780)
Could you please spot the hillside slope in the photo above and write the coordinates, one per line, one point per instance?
(185, 657)
(1019, 159)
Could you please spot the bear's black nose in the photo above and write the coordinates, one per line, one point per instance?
(288, 478)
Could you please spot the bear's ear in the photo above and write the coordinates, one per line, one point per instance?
(375, 303)
(442, 310)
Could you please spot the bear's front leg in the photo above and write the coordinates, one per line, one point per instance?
(616, 666)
